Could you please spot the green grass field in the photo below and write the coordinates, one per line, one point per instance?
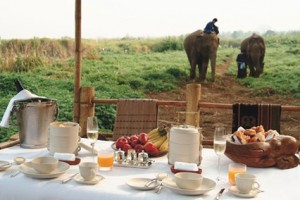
(128, 68)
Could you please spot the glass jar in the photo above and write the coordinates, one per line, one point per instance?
(143, 157)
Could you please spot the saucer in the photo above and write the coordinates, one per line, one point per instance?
(139, 183)
(27, 169)
(94, 181)
(235, 191)
(4, 165)
(206, 186)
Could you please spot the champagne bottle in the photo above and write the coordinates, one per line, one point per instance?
(19, 85)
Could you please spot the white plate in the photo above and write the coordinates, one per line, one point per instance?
(235, 191)
(94, 181)
(206, 186)
(26, 169)
(4, 165)
(139, 183)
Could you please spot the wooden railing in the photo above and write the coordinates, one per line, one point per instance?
(87, 107)
(183, 104)
(193, 103)
(201, 105)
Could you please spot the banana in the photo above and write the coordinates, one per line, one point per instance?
(160, 141)
(161, 131)
(154, 137)
(164, 146)
(153, 132)
(158, 136)
(157, 140)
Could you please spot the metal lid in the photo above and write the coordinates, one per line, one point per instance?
(31, 100)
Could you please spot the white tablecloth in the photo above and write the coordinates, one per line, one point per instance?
(276, 183)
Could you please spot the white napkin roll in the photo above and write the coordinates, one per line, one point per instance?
(64, 156)
(89, 148)
(185, 166)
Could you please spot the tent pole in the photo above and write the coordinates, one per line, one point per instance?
(78, 57)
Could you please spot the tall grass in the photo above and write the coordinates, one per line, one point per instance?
(127, 68)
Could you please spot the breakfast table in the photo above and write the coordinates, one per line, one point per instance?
(275, 183)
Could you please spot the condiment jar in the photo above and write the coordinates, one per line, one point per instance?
(131, 156)
(119, 156)
(143, 157)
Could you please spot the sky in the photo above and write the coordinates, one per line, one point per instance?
(23, 19)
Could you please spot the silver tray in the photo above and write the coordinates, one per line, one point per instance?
(134, 165)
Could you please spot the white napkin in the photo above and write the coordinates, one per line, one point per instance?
(89, 148)
(185, 166)
(22, 95)
(64, 156)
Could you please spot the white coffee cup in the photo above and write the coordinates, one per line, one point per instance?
(246, 182)
(88, 170)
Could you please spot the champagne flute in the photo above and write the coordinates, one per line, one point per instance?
(219, 145)
(92, 131)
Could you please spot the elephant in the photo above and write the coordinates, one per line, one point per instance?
(254, 48)
(201, 47)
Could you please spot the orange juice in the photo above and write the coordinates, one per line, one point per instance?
(235, 168)
(105, 161)
(231, 175)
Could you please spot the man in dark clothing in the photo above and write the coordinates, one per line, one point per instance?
(242, 65)
(211, 27)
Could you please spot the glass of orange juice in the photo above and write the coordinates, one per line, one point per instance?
(235, 168)
(105, 160)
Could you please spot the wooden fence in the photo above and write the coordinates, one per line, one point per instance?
(193, 103)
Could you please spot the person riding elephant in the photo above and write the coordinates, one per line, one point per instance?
(200, 48)
(211, 27)
(254, 47)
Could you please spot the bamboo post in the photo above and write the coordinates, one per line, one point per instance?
(77, 82)
(193, 96)
(87, 107)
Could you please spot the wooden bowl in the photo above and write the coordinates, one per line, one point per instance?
(280, 152)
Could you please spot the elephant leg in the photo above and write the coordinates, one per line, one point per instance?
(259, 69)
(257, 73)
(213, 73)
(213, 67)
(252, 70)
(203, 71)
(193, 71)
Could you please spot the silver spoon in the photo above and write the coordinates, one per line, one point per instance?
(150, 182)
(18, 161)
(69, 178)
(160, 177)
(15, 174)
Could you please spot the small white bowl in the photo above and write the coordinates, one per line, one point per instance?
(44, 165)
(188, 180)
(19, 160)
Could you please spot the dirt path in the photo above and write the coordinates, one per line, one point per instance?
(226, 89)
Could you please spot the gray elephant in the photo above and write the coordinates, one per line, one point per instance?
(200, 48)
(254, 47)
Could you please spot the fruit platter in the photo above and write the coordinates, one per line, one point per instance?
(154, 143)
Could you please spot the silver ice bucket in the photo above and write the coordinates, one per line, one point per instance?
(33, 118)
